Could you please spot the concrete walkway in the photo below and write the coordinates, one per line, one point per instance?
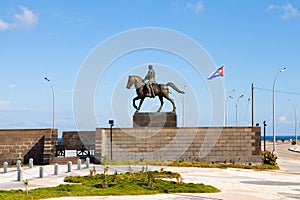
(234, 183)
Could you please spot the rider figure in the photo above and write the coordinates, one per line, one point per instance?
(151, 77)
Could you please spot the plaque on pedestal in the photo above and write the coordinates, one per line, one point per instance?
(155, 119)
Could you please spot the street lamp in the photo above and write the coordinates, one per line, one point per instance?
(273, 98)
(231, 97)
(236, 109)
(111, 122)
(265, 124)
(226, 114)
(247, 109)
(183, 107)
(295, 113)
(53, 96)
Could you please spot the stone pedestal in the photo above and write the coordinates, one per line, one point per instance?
(155, 119)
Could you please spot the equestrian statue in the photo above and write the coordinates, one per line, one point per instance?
(151, 89)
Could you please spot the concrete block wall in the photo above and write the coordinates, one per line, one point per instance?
(228, 144)
(72, 139)
(23, 144)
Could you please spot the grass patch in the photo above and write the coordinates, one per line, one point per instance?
(191, 164)
(138, 183)
(222, 165)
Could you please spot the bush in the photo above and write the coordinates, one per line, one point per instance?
(268, 158)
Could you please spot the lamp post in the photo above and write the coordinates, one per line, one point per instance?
(231, 97)
(273, 118)
(247, 109)
(53, 96)
(226, 114)
(111, 122)
(236, 109)
(295, 113)
(265, 124)
(183, 107)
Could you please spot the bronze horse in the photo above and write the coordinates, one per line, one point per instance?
(160, 90)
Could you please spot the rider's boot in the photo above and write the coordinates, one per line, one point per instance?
(148, 95)
(152, 94)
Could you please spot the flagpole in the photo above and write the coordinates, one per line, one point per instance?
(217, 73)
(252, 109)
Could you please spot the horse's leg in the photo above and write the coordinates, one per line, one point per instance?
(166, 95)
(134, 99)
(140, 104)
(161, 103)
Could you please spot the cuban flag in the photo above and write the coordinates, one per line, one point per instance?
(217, 73)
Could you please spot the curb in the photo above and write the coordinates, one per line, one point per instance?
(294, 149)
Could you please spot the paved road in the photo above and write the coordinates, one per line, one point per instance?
(287, 160)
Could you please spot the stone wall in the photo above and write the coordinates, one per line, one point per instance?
(23, 144)
(73, 139)
(229, 144)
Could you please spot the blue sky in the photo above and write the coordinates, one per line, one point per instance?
(252, 39)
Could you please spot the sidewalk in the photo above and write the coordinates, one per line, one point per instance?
(9, 180)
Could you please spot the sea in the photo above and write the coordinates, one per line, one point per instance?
(279, 137)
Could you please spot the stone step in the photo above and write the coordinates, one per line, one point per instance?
(65, 160)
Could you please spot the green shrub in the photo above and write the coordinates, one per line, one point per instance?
(268, 158)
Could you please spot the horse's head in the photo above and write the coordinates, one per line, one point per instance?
(136, 81)
(129, 82)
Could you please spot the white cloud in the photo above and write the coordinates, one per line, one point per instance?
(288, 10)
(25, 19)
(4, 102)
(3, 25)
(11, 86)
(195, 7)
(284, 120)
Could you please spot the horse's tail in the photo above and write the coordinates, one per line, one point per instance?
(172, 85)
